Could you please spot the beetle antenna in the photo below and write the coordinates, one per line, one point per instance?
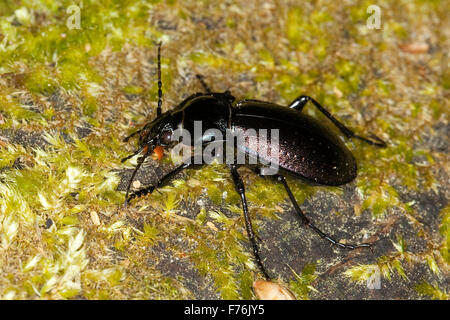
(203, 83)
(158, 110)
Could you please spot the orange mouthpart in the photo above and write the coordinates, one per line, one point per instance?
(158, 153)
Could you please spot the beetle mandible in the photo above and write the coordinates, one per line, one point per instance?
(307, 149)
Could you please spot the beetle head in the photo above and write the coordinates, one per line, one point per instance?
(158, 132)
(154, 136)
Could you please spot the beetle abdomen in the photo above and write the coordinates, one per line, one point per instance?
(306, 147)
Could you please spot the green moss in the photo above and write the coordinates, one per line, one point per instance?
(306, 31)
(40, 80)
(434, 292)
(445, 232)
(89, 106)
(302, 284)
(133, 90)
(54, 80)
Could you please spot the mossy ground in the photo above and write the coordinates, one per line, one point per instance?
(68, 96)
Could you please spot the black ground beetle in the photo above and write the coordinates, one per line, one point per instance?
(307, 149)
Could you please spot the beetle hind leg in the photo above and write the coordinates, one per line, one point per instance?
(299, 104)
(306, 221)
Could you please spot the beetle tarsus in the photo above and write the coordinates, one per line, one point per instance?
(374, 140)
(335, 242)
(141, 193)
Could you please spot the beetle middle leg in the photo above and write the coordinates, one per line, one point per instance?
(304, 218)
(301, 101)
(239, 188)
(239, 184)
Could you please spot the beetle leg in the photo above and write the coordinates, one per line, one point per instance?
(301, 101)
(308, 222)
(305, 219)
(239, 184)
(163, 181)
(139, 163)
(202, 81)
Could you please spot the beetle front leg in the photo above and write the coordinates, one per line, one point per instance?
(139, 164)
(163, 181)
(299, 104)
(239, 184)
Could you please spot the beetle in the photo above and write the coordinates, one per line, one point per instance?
(308, 150)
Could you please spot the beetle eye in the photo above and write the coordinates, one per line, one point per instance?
(166, 137)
